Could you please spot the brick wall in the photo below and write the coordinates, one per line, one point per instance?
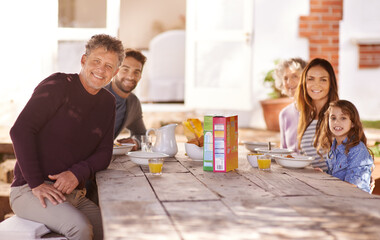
(321, 27)
(369, 55)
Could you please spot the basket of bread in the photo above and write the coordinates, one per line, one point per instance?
(193, 131)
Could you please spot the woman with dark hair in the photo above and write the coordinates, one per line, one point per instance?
(317, 88)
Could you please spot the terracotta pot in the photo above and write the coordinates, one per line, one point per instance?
(271, 110)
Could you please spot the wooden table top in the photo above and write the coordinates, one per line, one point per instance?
(186, 202)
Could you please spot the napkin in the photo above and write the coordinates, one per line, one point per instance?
(19, 228)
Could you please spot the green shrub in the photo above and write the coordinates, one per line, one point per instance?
(376, 149)
(371, 124)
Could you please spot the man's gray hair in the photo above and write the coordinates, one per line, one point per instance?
(109, 43)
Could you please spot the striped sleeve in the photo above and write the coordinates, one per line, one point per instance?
(307, 147)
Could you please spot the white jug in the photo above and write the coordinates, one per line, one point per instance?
(165, 139)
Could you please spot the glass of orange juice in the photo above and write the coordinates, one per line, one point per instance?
(263, 162)
(155, 166)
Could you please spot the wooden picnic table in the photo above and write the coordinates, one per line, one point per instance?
(6, 146)
(186, 202)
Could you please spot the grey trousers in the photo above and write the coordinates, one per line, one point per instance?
(76, 218)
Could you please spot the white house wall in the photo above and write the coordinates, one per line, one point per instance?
(361, 20)
(26, 45)
(275, 36)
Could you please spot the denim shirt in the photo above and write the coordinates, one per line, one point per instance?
(355, 167)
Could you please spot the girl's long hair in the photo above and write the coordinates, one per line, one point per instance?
(354, 136)
(304, 102)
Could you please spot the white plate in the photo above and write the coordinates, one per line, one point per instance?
(252, 145)
(123, 149)
(296, 161)
(294, 157)
(142, 158)
(274, 151)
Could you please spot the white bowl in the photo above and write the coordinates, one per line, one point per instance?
(142, 158)
(123, 149)
(295, 161)
(252, 145)
(194, 152)
(252, 159)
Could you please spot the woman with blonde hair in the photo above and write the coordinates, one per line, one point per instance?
(317, 88)
(287, 76)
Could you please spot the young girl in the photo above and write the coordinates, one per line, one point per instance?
(349, 158)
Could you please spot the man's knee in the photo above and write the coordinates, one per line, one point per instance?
(80, 229)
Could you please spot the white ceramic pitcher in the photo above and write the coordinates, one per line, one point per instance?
(165, 139)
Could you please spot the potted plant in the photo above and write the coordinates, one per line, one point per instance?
(275, 103)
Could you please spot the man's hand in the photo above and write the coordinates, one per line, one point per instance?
(65, 182)
(50, 192)
(129, 140)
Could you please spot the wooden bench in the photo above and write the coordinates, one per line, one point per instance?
(5, 208)
(6, 148)
(6, 178)
(6, 170)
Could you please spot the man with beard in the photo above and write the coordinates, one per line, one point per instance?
(128, 106)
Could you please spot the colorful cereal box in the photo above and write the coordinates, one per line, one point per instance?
(225, 139)
(208, 156)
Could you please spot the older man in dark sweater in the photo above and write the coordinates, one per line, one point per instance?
(128, 106)
(63, 136)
